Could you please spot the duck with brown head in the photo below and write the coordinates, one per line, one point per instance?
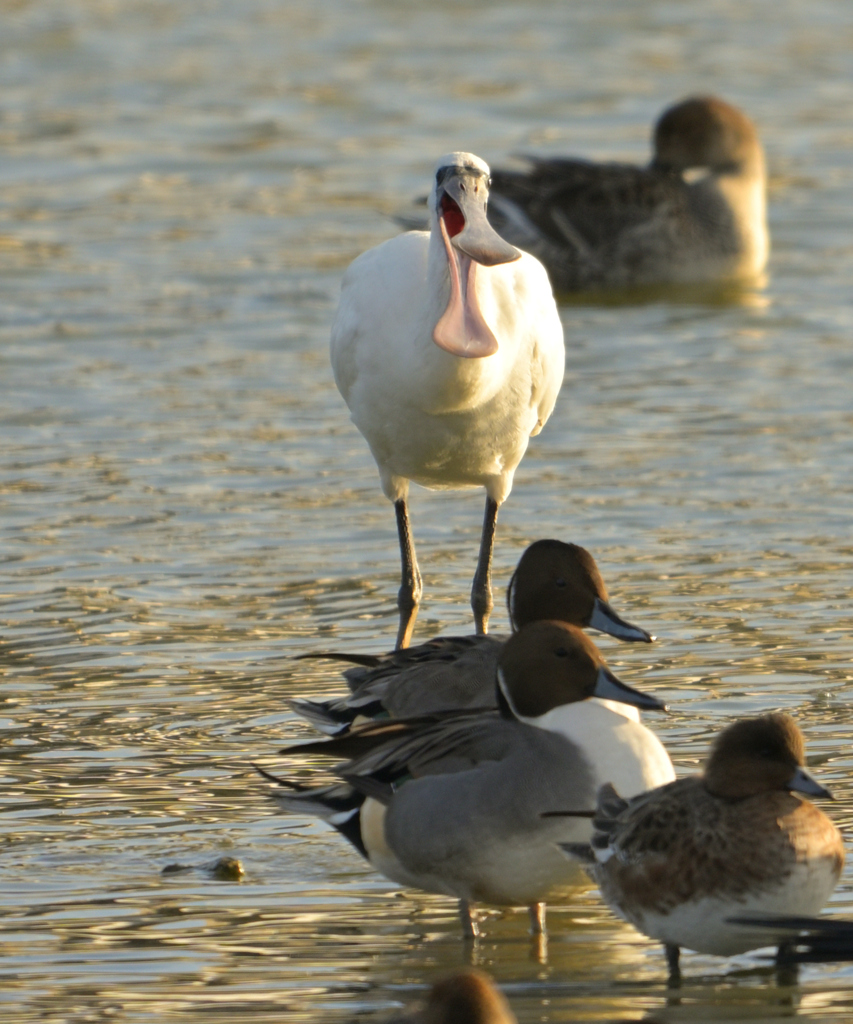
(467, 996)
(736, 841)
(696, 214)
(553, 580)
(454, 802)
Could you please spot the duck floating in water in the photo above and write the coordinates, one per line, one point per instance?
(454, 803)
(448, 349)
(695, 215)
(553, 580)
(682, 861)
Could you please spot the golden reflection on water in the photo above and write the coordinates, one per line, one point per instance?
(185, 505)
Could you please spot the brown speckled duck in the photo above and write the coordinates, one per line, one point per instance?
(737, 841)
(695, 214)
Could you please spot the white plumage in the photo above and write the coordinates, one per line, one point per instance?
(448, 349)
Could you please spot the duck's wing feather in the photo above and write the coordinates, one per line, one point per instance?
(406, 733)
(383, 755)
(361, 739)
(583, 205)
(447, 673)
(435, 653)
(450, 745)
(370, 668)
(454, 674)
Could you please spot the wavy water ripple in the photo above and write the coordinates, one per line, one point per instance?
(185, 505)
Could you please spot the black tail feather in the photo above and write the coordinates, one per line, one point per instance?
(335, 717)
(365, 660)
(820, 939)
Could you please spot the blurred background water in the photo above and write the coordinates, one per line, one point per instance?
(185, 504)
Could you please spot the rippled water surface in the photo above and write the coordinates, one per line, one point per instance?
(185, 505)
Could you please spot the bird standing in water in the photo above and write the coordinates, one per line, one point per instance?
(448, 349)
(689, 862)
(553, 580)
(457, 803)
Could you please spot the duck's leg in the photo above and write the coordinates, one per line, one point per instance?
(411, 587)
(673, 954)
(537, 918)
(787, 968)
(538, 933)
(470, 931)
(481, 591)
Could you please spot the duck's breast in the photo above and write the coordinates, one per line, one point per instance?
(620, 749)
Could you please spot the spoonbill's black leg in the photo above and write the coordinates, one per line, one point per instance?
(411, 586)
(481, 591)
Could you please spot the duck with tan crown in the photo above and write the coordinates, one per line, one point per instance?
(696, 214)
(553, 580)
(681, 862)
(465, 997)
(454, 802)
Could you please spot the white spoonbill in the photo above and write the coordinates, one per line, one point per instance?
(448, 349)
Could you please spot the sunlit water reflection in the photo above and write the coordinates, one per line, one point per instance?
(186, 506)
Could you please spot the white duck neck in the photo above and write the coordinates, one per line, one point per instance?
(620, 749)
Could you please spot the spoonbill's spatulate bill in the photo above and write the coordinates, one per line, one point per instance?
(448, 349)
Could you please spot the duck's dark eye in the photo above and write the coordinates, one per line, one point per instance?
(559, 582)
(561, 652)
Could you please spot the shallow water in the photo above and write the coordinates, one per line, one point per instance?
(185, 505)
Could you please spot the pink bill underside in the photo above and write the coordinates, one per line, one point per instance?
(462, 330)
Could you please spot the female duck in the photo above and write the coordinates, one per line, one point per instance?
(681, 862)
(696, 214)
